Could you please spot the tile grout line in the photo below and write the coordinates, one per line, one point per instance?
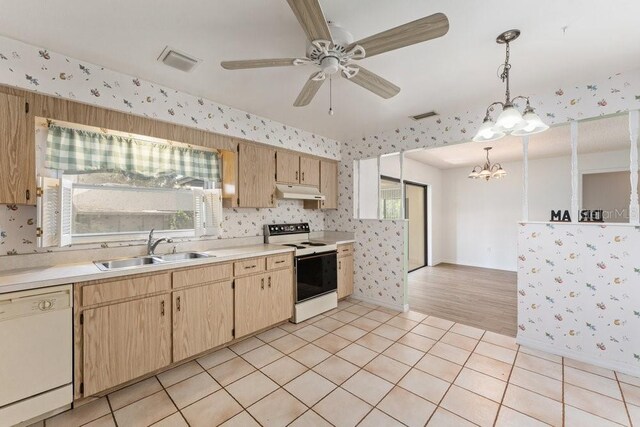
(169, 395)
(504, 393)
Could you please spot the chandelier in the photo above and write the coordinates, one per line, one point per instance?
(488, 171)
(510, 121)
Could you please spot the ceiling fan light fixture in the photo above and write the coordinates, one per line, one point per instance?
(499, 173)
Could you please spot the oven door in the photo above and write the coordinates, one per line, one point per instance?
(316, 275)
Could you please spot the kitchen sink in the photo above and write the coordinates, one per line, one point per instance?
(182, 256)
(118, 264)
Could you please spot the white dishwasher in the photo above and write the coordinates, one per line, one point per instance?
(36, 348)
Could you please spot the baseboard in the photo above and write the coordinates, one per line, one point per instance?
(455, 262)
(397, 307)
(607, 364)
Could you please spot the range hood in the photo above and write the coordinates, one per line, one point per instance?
(298, 192)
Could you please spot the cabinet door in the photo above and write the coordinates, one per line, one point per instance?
(124, 341)
(17, 152)
(329, 184)
(287, 168)
(256, 176)
(345, 276)
(309, 171)
(202, 319)
(280, 286)
(252, 310)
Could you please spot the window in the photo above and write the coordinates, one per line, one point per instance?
(390, 199)
(109, 188)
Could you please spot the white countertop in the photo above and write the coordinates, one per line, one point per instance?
(20, 280)
(39, 277)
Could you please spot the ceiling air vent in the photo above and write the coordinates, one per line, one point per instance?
(176, 59)
(424, 115)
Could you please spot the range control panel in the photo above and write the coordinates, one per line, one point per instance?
(280, 229)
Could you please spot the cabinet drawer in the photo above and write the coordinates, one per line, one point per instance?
(346, 249)
(248, 266)
(200, 275)
(96, 293)
(278, 261)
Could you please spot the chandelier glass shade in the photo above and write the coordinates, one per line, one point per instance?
(510, 120)
(488, 170)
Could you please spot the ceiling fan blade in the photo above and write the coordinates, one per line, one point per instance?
(308, 91)
(374, 83)
(257, 63)
(311, 19)
(421, 30)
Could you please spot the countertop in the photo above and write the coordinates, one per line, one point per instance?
(32, 278)
(40, 277)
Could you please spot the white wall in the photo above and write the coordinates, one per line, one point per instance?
(481, 218)
(421, 173)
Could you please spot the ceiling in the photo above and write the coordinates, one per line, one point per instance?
(594, 136)
(446, 74)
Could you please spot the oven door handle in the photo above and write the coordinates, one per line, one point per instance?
(319, 255)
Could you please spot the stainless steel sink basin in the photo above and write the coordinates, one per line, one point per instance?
(117, 264)
(182, 256)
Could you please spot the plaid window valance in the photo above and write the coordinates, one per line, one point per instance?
(79, 151)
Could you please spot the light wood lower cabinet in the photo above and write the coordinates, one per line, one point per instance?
(128, 327)
(202, 319)
(345, 270)
(124, 341)
(280, 287)
(263, 300)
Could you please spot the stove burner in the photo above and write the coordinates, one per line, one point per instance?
(295, 246)
(314, 243)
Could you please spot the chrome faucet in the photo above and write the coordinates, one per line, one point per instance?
(152, 244)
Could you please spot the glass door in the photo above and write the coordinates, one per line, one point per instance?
(416, 212)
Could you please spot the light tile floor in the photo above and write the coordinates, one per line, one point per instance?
(369, 366)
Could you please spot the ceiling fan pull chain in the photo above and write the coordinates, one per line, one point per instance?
(330, 96)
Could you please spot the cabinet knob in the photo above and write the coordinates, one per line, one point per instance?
(271, 198)
(28, 195)
(296, 175)
(302, 176)
(339, 265)
(178, 303)
(262, 283)
(162, 308)
(269, 281)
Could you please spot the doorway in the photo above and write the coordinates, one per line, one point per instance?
(416, 209)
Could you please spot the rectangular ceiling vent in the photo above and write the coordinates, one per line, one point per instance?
(179, 60)
(424, 115)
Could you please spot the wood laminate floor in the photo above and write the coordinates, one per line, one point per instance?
(480, 297)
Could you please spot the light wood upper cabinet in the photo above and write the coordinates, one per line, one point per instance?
(124, 341)
(202, 319)
(256, 176)
(287, 167)
(309, 171)
(329, 184)
(17, 152)
(328, 187)
(345, 270)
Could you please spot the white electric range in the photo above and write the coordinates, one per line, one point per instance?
(315, 269)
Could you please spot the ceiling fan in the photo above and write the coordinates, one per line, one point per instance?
(331, 49)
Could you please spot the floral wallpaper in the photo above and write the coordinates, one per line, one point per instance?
(40, 70)
(579, 290)
(615, 93)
